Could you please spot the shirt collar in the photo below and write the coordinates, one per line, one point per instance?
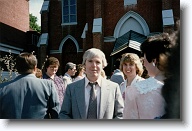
(99, 80)
(117, 70)
(68, 75)
(45, 76)
(135, 80)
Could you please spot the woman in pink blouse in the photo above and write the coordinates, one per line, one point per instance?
(132, 69)
(144, 100)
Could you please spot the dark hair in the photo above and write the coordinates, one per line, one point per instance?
(171, 88)
(51, 61)
(69, 65)
(156, 47)
(26, 63)
(117, 64)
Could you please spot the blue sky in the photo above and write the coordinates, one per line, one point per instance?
(35, 8)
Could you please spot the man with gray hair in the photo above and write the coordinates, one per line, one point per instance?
(92, 97)
(70, 69)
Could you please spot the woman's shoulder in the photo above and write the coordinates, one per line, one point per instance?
(137, 79)
(78, 78)
(148, 85)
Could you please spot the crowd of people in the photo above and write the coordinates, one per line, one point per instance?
(84, 92)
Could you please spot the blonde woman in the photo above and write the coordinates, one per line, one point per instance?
(103, 74)
(132, 68)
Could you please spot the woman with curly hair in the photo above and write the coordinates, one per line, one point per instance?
(132, 68)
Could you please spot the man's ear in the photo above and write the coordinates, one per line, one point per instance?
(154, 62)
(35, 69)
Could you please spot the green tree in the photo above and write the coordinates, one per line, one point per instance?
(33, 23)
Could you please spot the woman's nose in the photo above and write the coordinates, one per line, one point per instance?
(128, 66)
(94, 64)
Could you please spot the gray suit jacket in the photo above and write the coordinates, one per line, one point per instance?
(111, 102)
(28, 97)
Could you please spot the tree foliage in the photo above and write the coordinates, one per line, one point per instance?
(33, 23)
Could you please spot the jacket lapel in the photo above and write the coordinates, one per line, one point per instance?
(80, 97)
(104, 97)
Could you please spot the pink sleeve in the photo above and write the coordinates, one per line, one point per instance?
(151, 104)
(143, 106)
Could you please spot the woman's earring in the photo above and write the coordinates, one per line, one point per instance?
(153, 64)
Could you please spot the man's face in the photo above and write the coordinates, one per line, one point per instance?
(72, 72)
(52, 70)
(93, 68)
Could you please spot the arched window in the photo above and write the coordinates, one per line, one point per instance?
(131, 21)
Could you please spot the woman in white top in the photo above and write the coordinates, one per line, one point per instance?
(132, 68)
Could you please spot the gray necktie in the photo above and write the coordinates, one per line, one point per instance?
(92, 109)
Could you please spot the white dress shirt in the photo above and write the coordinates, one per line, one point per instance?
(97, 90)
